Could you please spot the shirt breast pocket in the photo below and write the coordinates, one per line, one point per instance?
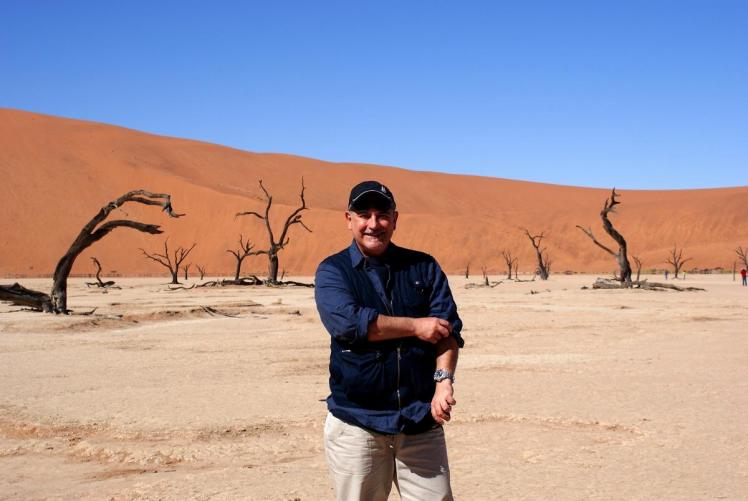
(417, 297)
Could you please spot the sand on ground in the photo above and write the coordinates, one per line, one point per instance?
(562, 393)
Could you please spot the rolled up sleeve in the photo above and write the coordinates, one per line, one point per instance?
(345, 319)
(443, 304)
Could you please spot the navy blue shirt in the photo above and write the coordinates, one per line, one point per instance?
(384, 386)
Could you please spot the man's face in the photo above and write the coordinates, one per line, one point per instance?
(372, 229)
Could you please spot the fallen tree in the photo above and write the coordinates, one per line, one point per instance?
(613, 283)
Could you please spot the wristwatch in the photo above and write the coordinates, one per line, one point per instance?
(442, 374)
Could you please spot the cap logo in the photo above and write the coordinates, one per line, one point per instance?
(384, 190)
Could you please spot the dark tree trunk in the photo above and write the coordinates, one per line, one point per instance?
(238, 269)
(273, 268)
(621, 256)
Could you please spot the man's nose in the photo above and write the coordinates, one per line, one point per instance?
(373, 221)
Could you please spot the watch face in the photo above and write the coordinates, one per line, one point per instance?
(441, 375)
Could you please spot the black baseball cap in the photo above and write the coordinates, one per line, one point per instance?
(371, 194)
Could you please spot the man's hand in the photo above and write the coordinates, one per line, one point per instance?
(431, 329)
(441, 404)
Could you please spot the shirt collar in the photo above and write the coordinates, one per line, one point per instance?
(357, 258)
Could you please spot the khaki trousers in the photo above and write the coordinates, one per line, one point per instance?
(363, 464)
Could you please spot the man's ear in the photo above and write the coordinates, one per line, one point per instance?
(394, 220)
(348, 218)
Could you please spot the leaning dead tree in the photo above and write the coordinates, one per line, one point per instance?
(99, 282)
(621, 256)
(544, 261)
(676, 260)
(93, 231)
(275, 246)
(511, 262)
(173, 263)
(244, 251)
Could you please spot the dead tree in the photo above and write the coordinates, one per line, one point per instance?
(510, 261)
(186, 269)
(485, 276)
(245, 250)
(93, 231)
(516, 269)
(275, 246)
(743, 255)
(99, 282)
(638, 263)
(621, 256)
(676, 260)
(467, 270)
(544, 262)
(603, 283)
(201, 270)
(172, 263)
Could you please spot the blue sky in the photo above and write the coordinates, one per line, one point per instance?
(636, 94)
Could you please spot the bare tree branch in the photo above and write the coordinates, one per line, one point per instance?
(743, 255)
(588, 232)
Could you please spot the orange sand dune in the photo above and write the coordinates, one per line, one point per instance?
(56, 174)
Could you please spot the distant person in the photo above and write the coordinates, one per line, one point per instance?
(743, 274)
(666, 274)
(394, 340)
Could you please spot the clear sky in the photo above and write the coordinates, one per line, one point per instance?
(638, 94)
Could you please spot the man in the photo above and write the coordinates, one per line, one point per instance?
(395, 335)
(743, 274)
